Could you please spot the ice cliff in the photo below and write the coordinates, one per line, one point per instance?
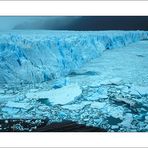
(38, 56)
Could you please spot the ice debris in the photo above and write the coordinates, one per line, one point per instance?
(2, 91)
(141, 90)
(127, 122)
(21, 105)
(63, 95)
(98, 105)
(113, 81)
(77, 106)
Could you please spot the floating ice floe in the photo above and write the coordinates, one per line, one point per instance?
(114, 81)
(93, 97)
(62, 95)
(127, 122)
(98, 105)
(11, 111)
(76, 106)
(6, 97)
(101, 93)
(146, 119)
(2, 91)
(21, 105)
(33, 90)
(116, 112)
(127, 101)
(139, 90)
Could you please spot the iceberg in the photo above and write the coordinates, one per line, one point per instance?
(63, 95)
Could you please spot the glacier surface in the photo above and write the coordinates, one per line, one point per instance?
(39, 56)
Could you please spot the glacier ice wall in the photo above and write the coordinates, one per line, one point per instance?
(38, 56)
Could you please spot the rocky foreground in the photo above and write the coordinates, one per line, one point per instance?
(37, 125)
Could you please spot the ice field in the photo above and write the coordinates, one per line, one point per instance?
(96, 78)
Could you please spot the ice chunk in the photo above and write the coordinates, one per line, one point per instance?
(113, 111)
(6, 97)
(134, 92)
(98, 105)
(115, 81)
(61, 82)
(76, 106)
(22, 105)
(139, 89)
(62, 95)
(10, 111)
(33, 90)
(146, 119)
(97, 96)
(101, 93)
(93, 97)
(127, 101)
(2, 91)
(127, 122)
(116, 112)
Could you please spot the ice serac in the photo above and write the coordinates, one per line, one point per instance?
(38, 56)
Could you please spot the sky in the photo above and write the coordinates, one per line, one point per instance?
(74, 22)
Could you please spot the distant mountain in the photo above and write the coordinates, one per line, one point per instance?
(88, 23)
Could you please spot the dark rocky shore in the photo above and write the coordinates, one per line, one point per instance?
(38, 125)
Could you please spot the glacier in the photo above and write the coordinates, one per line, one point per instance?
(96, 78)
(39, 56)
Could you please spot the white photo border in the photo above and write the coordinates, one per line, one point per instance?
(74, 8)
